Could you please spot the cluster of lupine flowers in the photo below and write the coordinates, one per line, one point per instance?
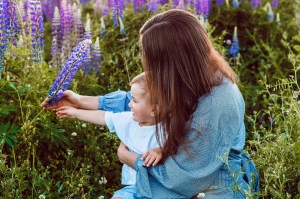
(68, 71)
(68, 30)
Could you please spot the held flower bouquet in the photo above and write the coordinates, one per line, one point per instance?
(68, 71)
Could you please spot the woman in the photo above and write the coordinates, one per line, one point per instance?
(201, 112)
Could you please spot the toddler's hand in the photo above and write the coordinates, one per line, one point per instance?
(152, 157)
(66, 111)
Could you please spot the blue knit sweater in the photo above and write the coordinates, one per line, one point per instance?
(215, 165)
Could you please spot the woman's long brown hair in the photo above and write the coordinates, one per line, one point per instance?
(181, 65)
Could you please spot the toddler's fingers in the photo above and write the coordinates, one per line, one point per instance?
(145, 155)
(147, 160)
(156, 162)
(150, 161)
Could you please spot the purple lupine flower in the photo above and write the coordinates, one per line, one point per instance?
(118, 9)
(153, 6)
(275, 4)
(96, 56)
(37, 30)
(68, 71)
(48, 8)
(122, 28)
(198, 7)
(219, 2)
(137, 5)
(235, 3)
(79, 30)
(234, 48)
(254, 3)
(3, 33)
(162, 2)
(56, 39)
(13, 27)
(206, 8)
(84, 2)
(278, 19)
(181, 5)
(175, 3)
(102, 27)
(66, 29)
(86, 67)
(270, 15)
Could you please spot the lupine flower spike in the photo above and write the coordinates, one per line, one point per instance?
(102, 27)
(153, 6)
(79, 30)
(3, 33)
(254, 3)
(68, 71)
(86, 67)
(56, 39)
(278, 19)
(97, 56)
(235, 3)
(219, 2)
(234, 48)
(270, 15)
(275, 4)
(122, 28)
(37, 30)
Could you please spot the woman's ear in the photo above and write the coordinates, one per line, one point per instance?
(155, 110)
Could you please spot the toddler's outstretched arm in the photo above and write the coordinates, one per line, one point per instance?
(91, 116)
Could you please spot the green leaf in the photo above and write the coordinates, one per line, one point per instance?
(10, 84)
(8, 141)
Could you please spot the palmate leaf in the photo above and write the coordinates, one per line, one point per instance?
(7, 133)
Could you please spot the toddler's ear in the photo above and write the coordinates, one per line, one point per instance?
(155, 110)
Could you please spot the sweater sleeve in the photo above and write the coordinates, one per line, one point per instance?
(115, 102)
(214, 125)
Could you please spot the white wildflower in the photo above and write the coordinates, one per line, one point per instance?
(74, 134)
(201, 195)
(42, 196)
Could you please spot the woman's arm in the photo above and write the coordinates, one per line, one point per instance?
(115, 102)
(125, 156)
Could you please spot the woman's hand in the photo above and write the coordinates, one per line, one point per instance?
(125, 156)
(69, 99)
(152, 157)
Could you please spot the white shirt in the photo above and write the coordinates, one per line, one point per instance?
(138, 139)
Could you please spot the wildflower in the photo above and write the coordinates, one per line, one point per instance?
(102, 27)
(65, 77)
(270, 15)
(277, 19)
(48, 8)
(3, 33)
(78, 26)
(56, 39)
(96, 56)
(37, 30)
(234, 48)
(74, 134)
(102, 180)
(137, 5)
(219, 2)
(66, 14)
(201, 195)
(118, 9)
(254, 3)
(235, 3)
(42, 196)
(275, 4)
(101, 197)
(86, 67)
(83, 125)
(153, 6)
(122, 28)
